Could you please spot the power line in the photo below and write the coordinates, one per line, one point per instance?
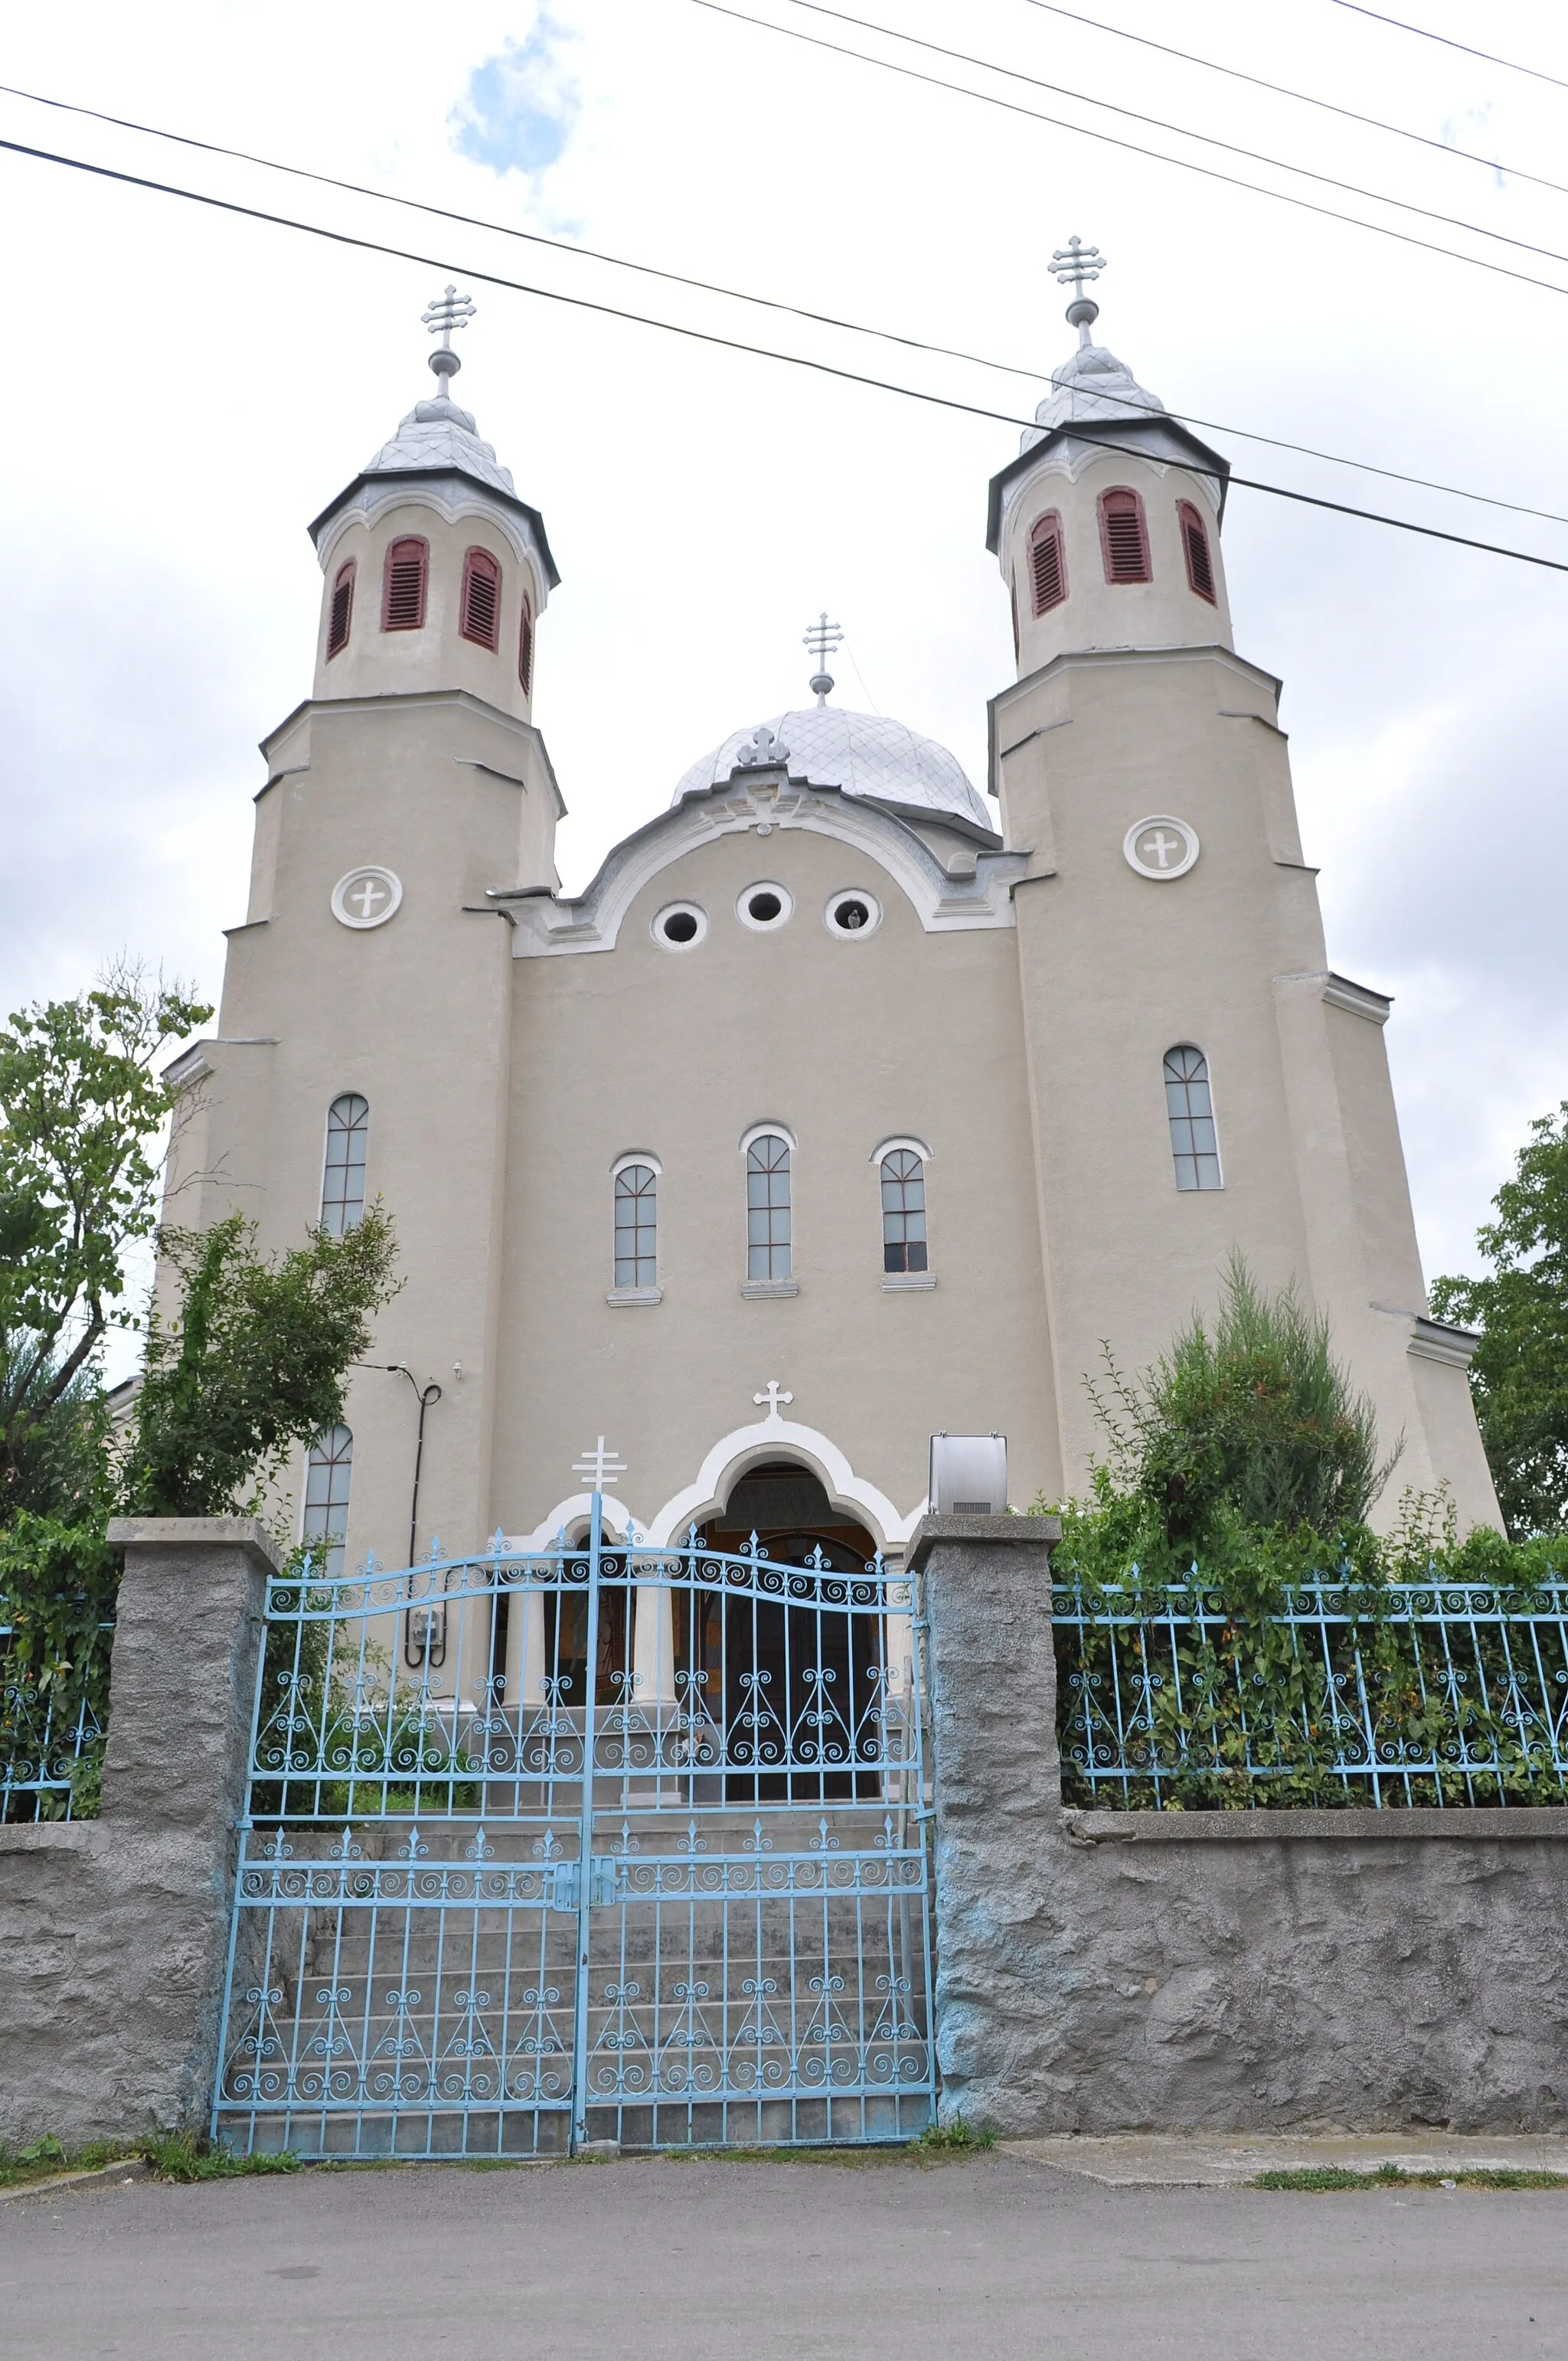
(1132, 148)
(1133, 114)
(766, 302)
(726, 344)
(1303, 97)
(1421, 33)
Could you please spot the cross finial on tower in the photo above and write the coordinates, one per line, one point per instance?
(449, 310)
(822, 639)
(1073, 264)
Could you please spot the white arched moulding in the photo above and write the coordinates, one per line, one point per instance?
(679, 925)
(366, 896)
(637, 1156)
(1160, 847)
(769, 1130)
(902, 1139)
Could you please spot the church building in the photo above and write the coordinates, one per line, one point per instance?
(851, 1103)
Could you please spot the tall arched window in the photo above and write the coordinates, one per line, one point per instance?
(343, 1178)
(402, 585)
(637, 1226)
(902, 1211)
(1124, 536)
(1195, 543)
(1194, 1146)
(767, 1208)
(341, 614)
(525, 646)
(1048, 563)
(327, 1473)
(481, 609)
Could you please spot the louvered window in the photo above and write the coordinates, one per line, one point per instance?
(1124, 537)
(1047, 563)
(525, 647)
(402, 592)
(341, 614)
(481, 598)
(1195, 541)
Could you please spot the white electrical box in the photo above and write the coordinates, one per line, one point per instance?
(969, 1476)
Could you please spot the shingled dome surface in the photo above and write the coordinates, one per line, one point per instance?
(865, 755)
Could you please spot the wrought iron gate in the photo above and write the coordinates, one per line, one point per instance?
(602, 1843)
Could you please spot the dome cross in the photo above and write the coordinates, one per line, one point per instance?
(822, 639)
(1074, 265)
(448, 311)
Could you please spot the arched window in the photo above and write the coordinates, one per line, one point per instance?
(1048, 563)
(1195, 542)
(902, 1211)
(767, 1208)
(342, 613)
(343, 1180)
(637, 1226)
(481, 612)
(327, 1475)
(1194, 1146)
(402, 585)
(525, 646)
(1124, 536)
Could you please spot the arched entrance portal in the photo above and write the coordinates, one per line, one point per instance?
(804, 1683)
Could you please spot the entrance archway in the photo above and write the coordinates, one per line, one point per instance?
(802, 1685)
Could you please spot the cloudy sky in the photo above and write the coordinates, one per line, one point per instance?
(186, 388)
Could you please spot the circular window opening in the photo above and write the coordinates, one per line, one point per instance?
(680, 927)
(853, 913)
(766, 904)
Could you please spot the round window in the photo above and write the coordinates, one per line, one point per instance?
(680, 926)
(764, 905)
(853, 913)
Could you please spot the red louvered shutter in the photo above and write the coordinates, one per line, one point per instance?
(1195, 541)
(341, 614)
(1122, 533)
(525, 647)
(403, 593)
(481, 599)
(1047, 563)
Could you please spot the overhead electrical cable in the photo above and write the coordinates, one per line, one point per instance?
(1133, 147)
(1302, 98)
(765, 302)
(1424, 33)
(1131, 115)
(726, 344)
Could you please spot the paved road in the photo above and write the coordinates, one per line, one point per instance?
(979, 2260)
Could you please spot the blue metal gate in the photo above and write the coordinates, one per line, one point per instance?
(603, 1843)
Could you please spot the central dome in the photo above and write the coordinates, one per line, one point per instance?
(864, 754)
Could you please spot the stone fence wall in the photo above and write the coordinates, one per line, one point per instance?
(114, 1932)
(1103, 1971)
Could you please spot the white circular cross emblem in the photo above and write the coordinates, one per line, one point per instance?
(367, 897)
(1161, 847)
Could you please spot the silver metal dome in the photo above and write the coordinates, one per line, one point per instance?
(865, 755)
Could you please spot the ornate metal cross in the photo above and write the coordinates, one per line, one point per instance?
(1075, 264)
(601, 1467)
(449, 310)
(822, 639)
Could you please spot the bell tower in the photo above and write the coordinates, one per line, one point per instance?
(1202, 1082)
(370, 986)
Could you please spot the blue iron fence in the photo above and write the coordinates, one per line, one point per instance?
(1452, 1694)
(54, 1704)
(600, 1842)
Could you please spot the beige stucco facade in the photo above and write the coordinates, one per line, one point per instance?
(1003, 1013)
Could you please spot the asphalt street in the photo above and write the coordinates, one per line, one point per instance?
(729, 2261)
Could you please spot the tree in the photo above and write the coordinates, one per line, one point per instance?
(81, 1111)
(1519, 1374)
(1257, 1420)
(253, 1364)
